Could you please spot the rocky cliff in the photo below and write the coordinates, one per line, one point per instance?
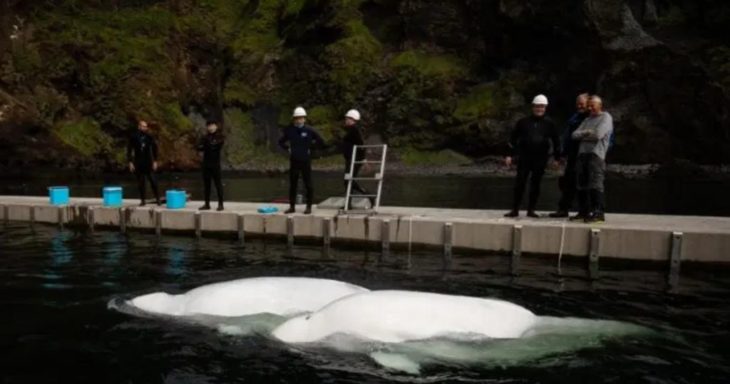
(428, 75)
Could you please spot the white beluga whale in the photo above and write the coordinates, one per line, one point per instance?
(402, 330)
(399, 316)
(283, 296)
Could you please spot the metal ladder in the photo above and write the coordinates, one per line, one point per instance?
(350, 177)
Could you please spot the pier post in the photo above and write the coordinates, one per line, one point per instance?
(198, 225)
(516, 249)
(122, 221)
(675, 259)
(448, 242)
(240, 221)
(32, 215)
(90, 218)
(6, 214)
(290, 231)
(593, 270)
(326, 225)
(61, 216)
(158, 222)
(385, 237)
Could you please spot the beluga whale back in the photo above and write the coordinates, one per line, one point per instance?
(399, 316)
(284, 296)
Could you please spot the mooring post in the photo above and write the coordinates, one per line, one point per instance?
(675, 259)
(61, 216)
(240, 223)
(448, 242)
(290, 231)
(122, 221)
(594, 244)
(158, 222)
(198, 225)
(385, 237)
(516, 249)
(90, 218)
(326, 225)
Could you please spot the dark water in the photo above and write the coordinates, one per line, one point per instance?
(57, 328)
(652, 195)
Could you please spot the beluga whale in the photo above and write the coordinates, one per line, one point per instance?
(399, 316)
(402, 330)
(282, 296)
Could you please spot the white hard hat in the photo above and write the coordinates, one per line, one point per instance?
(353, 114)
(299, 112)
(540, 100)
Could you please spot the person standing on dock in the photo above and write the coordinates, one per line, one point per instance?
(299, 139)
(142, 159)
(210, 146)
(531, 143)
(594, 135)
(567, 182)
(353, 136)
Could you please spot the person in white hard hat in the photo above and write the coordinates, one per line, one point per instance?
(299, 139)
(530, 142)
(353, 136)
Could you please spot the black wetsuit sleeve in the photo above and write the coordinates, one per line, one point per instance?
(317, 139)
(201, 145)
(283, 140)
(514, 139)
(130, 149)
(555, 138)
(154, 149)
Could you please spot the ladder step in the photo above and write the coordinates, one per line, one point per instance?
(366, 178)
(363, 195)
(368, 162)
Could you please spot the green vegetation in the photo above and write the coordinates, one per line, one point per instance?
(415, 157)
(442, 66)
(85, 136)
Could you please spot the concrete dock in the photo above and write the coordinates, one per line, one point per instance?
(670, 239)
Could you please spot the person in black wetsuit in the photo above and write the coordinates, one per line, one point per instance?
(530, 141)
(142, 159)
(210, 146)
(299, 139)
(568, 182)
(353, 137)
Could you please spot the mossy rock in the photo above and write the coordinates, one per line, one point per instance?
(440, 66)
(85, 136)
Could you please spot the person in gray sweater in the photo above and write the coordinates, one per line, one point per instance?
(594, 135)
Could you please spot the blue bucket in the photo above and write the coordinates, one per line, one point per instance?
(176, 199)
(58, 195)
(112, 196)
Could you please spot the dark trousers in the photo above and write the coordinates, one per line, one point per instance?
(590, 174)
(355, 186)
(568, 187)
(532, 167)
(212, 174)
(296, 168)
(149, 175)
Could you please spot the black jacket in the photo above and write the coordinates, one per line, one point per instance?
(353, 137)
(300, 141)
(532, 137)
(142, 151)
(211, 146)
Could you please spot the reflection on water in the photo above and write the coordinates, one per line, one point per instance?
(76, 339)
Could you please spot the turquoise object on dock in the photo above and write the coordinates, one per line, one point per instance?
(113, 196)
(58, 195)
(267, 209)
(176, 199)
